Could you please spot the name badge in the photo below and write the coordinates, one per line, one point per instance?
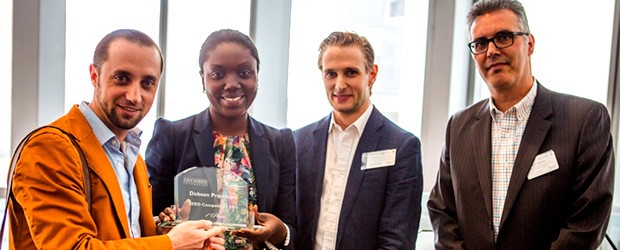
(378, 159)
(543, 163)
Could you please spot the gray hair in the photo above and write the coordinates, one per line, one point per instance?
(485, 6)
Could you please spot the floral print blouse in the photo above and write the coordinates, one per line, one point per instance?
(232, 156)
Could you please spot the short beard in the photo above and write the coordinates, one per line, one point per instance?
(119, 121)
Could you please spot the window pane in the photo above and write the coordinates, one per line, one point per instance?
(6, 41)
(87, 23)
(560, 61)
(6, 50)
(397, 31)
(184, 96)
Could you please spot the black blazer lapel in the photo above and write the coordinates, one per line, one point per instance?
(482, 149)
(259, 157)
(368, 143)
(203, 138)
(533, 137)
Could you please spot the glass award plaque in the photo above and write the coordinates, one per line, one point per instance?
(210, 193)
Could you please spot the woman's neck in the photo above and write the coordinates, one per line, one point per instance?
(230, 127)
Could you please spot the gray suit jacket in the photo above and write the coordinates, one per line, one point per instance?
(381, 206)
(567, 208)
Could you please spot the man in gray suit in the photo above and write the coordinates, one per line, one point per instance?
(528, 168)
(359, 176)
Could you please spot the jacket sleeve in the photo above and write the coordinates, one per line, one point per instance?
(442, 204)
(49, 203)
(593, 185)
(400, 219)
(161, 165)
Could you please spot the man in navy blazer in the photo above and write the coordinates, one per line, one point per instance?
(359, 176)
(528, 168)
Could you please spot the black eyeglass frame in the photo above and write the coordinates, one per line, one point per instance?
(492, 39)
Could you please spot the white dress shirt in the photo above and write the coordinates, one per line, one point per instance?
(506, 131)
(341, 146)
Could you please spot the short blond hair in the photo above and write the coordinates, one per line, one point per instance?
(339, 38)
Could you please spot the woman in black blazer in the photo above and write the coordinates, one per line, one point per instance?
(225, 136)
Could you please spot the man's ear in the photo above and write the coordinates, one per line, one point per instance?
(373, 75)
(530, 45)
(93, 75)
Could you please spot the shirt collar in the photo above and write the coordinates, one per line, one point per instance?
(358, 124)
(522, 108)
(103, 133)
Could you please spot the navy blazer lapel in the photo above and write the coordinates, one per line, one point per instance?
(317, 162)
(203, 138)
(533, 137)
(482, 154)
(259, 157)
(368, 143)
(319, 147)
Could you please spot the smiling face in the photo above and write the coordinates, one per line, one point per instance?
(347, 82)
(230, 80)
(506, 70)
(125, 85)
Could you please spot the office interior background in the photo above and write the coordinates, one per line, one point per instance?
(425, 69)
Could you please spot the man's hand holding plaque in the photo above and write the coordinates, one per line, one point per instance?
(190, 233)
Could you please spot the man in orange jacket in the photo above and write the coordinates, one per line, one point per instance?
(48, 209)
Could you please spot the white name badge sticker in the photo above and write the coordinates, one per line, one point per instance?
(378, 159)
(543, 163)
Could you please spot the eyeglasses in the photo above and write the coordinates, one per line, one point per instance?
(500, 40)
